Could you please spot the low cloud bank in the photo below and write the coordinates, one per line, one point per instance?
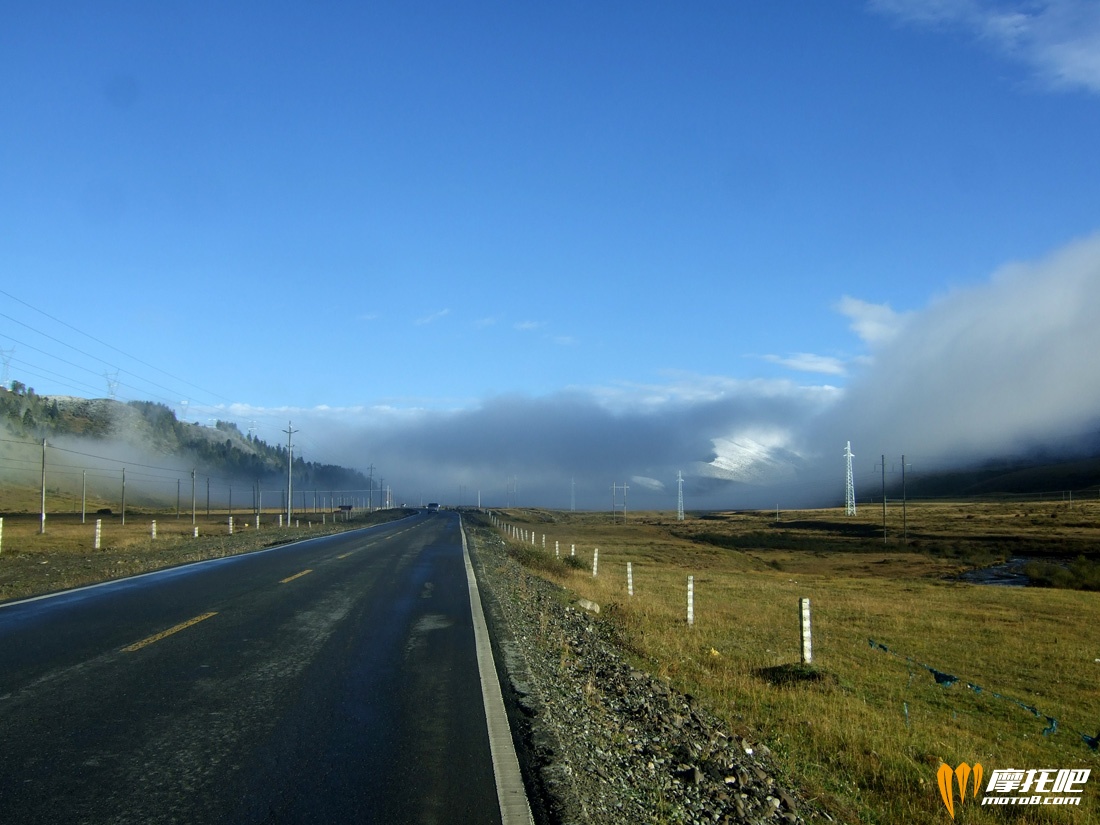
(549, 450)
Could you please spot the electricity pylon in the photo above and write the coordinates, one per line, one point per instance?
(850, 485)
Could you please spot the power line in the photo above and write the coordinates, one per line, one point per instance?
(73, 364)
(110, 346)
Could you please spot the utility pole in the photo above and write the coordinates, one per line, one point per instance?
(572, 495)
(289, 469)
(904, 520)
(679, 495)
(884, 499)
(42, 522)
(370, 491)
(123, 496)
(192, 497)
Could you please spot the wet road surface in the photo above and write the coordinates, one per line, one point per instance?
(333, 680)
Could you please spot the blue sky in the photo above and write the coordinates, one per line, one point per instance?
(522, 226)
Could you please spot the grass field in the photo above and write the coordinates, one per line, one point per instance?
(862, 730)
(65, 556)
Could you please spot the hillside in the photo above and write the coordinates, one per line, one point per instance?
(1081, 476)
(99, 426)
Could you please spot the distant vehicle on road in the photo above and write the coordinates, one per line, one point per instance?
(433, 505)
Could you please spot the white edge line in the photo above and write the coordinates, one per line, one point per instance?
(514, 807)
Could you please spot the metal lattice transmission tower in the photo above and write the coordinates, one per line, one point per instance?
(679, 495)
(615, 499)
(112, 383)
(5, 356)
(850, 484)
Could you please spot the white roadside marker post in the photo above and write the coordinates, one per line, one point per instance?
(804, 619)
(691, 600)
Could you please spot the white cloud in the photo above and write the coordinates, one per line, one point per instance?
(1059, 39)
(990, 370)
(431, 319)
(809, 362)
(529, 326)
(645, 483)
(683, 389)
(876, 324)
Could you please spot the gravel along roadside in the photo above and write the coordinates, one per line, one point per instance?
(602, 742)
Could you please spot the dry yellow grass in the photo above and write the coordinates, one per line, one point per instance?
(65, 556)
(866, 735)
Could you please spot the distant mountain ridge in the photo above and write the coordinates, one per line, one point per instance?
(221, 450)
(1016, 477)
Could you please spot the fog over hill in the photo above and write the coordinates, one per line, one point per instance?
(94, 439)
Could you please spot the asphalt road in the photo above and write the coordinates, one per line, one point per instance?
(332, 680)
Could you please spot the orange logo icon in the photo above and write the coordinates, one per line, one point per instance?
(961, 774)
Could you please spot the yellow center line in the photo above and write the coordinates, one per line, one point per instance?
(295, 576)
(156, 637)
(345, 555)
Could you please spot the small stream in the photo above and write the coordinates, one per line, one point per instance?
(1007, 574)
